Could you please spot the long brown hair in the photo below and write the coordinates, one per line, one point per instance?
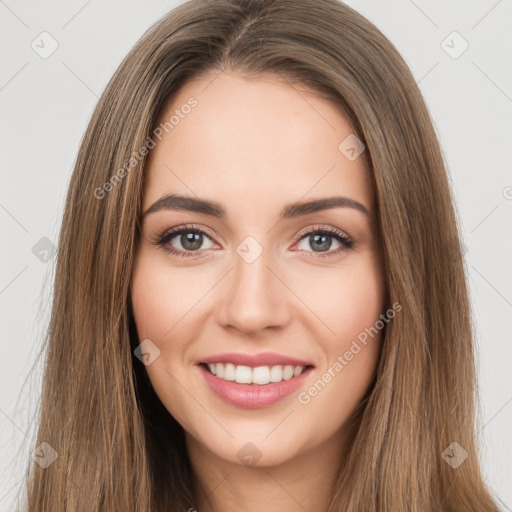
(118, 447)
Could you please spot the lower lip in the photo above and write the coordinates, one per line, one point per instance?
(253, 396)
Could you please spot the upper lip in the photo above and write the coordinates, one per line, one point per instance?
(254, 360)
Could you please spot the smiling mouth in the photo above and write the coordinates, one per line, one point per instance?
(258, 376)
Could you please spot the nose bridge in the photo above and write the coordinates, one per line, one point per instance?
(254, 298)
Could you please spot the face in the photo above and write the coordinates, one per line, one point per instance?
(250, 275)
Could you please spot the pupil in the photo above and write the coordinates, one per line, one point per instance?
(191, 241)
(324, 246)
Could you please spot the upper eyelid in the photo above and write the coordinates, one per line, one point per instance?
(330, 230)
(311, 229)
(179, 229)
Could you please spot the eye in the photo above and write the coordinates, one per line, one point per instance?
(321, 238)
(189, 237)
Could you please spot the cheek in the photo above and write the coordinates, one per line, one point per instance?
(160, 303)
(358, 308)
(352, 310)
(160, 298)
(346, 301)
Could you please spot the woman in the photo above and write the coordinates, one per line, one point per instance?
(209, 347)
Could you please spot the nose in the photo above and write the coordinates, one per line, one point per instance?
(254, 296)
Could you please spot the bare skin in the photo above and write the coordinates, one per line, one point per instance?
(255, 146)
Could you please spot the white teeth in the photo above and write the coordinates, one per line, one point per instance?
(243, 375)
(276, 374)
(298, 370)
(260, 375)
(288, 372)
(229, 372)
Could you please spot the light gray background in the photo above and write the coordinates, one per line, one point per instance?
(46, 104)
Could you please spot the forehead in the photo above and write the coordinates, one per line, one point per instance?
(252, 138)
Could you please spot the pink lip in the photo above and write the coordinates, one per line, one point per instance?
(263, 359)
(253, 396)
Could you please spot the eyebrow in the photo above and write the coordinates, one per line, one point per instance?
(290, 211)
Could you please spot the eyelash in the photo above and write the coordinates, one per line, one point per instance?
(162, 240)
